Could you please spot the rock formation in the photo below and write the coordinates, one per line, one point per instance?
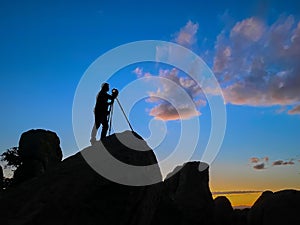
(1, 178)
(280, 207)
(187, 193)
(39, 150)
(73, 193)
(223, 211)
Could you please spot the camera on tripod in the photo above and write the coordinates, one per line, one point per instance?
(114, 93)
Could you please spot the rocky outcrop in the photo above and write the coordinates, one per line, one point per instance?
(240, 216)
(39, 150)
(280, 207)
(74, 194)
(1, 178)
(223, 212)
(187, 195)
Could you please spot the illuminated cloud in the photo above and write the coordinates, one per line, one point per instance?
(254, 160)
(281, 162)
(259, 166)
(258, 64)
(295, 110)
(234, 192)
(187, 34)
(259, 163)
(138, 71)
(163, 109)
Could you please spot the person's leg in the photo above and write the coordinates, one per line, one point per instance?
(104, 123)
(95, 129)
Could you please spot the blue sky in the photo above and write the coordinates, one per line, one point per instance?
(46, 47)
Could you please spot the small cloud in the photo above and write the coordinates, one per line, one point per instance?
(177, 97)
(259, 166)
(295, 110)
(288, 163)
(138, 71)
(254, 160)
(187, 34)
(234, 192)
(281, 162)
(277, 163)
(266, 159)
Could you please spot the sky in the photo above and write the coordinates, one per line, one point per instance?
(252, 48)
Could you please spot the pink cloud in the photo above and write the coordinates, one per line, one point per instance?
(187, 34)
(294, 110)
(254, 160)
(281, 162)
(258, 64)
(163, 109)
(259, 166)
(138, 71)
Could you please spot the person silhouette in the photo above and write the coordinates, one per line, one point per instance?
(101, 112)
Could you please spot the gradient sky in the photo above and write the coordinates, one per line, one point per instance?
(252, 47)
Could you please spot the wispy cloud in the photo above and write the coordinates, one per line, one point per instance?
(234, 192)
(294, 110)
(258, 64)
(170, 90)
(187, 34)
(169, 101)
(259, 166)
(259, 163)
(254, 160)
(281, 162)
(138, 71)
(262, 163)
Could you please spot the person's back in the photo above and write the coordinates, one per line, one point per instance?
(101, 112)
(102, 102)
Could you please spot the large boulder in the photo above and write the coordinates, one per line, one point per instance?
(223, 212)
(72, 193)
(280, 207)
(39, 150)
(1, 178)
(186, 190)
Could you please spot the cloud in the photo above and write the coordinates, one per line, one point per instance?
(138, 71)
(259, 166)
(234, 192)
(171, 88)
(259, 163)
(258, 64)
(187, 34)
(295, 110)
(281, 162)
(254, 160)
(277, 163)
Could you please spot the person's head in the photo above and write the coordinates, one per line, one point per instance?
(105, 87)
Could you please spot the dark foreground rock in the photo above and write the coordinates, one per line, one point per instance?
(186, 198)
(223, 212)
(39, 151)
(280, 207)
(73, 193)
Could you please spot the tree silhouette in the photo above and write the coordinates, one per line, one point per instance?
(11, 158)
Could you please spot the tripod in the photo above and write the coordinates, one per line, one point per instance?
(111, 110)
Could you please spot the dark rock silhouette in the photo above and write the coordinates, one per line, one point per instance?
(1, 178)
(39, 150)
(280, 207)
(73, 193)
(223, 212)
(240, 216)
(187, 193)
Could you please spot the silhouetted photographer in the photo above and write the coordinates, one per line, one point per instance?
(102, 109)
